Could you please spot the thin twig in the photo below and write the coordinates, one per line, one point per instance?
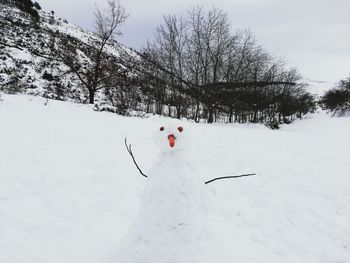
(128, 148)
(227, 177)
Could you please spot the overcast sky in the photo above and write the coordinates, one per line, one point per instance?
(311, 35)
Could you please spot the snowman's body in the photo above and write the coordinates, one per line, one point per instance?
(168, 228)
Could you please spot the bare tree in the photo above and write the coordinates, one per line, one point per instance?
(168, 50)
(218, 73)
(107, 23)
(95, 66)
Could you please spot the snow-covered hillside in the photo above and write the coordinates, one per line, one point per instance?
(28, 62)
(69, 190)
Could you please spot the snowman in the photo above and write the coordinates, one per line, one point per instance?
(169, 227)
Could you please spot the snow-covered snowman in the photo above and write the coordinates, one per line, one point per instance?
(169, 226)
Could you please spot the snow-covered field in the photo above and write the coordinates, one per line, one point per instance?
(69, 190)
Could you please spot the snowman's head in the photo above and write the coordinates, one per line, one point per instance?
(170, 137)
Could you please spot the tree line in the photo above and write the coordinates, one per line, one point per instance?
(337, 100)
(196, 67)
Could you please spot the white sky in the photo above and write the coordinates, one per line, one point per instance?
(311, 35)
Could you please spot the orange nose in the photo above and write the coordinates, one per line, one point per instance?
(171, 139)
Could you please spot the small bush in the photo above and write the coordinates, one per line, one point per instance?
(274, 125)
(48, 76)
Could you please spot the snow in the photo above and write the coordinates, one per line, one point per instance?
(69, 191)
(319, 88)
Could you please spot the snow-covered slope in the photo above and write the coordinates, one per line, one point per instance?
(22, 68)
(28, 58)
(319, 88)
(69, 191)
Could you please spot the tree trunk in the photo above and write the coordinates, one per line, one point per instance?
(196, 117)
(210, 115)
(91, 96)
(230, 119)
(178, 112)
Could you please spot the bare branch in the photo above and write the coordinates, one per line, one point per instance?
(227, 177)
(8, 45)
(108, 22)
(128, 148)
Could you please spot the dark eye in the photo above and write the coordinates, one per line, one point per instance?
(161, 128)
(180, 129)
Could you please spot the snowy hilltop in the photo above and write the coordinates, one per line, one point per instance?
(30, 62)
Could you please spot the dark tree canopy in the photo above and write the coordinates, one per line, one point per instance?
(337, 100)
(203, 70)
